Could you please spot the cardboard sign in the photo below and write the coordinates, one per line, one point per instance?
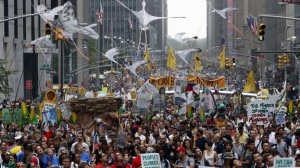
(49, 113)
(258, 111)
(150, 160)
(280, 115)
(122, 140)
(284, 162)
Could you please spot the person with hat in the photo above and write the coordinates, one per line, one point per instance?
(228, 159)
(183, 159)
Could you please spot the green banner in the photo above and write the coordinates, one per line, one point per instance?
(12, 115)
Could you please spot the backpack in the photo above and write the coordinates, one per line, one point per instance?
(166, 162)
(188, 161)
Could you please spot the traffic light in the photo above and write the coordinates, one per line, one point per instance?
(58, 34)
(280, 61)
(48, 30)
(130, 62)
(233, 61)
(227, 63)
(261, 32)
(286, 59)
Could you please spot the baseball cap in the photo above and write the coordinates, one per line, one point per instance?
(181, 149)
(228, 155)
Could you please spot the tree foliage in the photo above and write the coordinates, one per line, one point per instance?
(4, 73)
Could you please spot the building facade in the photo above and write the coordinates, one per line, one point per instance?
(244, 45)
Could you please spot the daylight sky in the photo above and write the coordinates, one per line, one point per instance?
(195, 22)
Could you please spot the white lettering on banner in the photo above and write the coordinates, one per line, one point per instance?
(150, 160)
(258, 111)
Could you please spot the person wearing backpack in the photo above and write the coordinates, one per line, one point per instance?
(184, 160)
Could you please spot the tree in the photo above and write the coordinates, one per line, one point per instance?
(4, 73)
(92, 55)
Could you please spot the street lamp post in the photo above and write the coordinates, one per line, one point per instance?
(70, 57)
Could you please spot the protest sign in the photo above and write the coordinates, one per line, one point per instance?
(12, 115)
(257, 111)
(122, 140)
(150, 160)
(284, 162)
(280, 115)
(49, 113)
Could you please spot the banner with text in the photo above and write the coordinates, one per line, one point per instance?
(169, 81)
(150, 160)
(284, 162)
(258, 111)
(12, 115)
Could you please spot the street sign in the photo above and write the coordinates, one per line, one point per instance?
(51, 72)
(45, 67)
(70, 75)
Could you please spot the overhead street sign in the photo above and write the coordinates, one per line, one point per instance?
(51, 72)
(70, 75)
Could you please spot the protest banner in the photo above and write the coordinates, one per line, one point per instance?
(284, 162)
(150, 160)
(12, 115)
(280, 115)
(257, 111)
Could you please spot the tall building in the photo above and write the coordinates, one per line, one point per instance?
(245, 46)
(27, 80)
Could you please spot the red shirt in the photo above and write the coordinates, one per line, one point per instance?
(99, 165)
(136, 162)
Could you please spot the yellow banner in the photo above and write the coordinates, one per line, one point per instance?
(169, 81)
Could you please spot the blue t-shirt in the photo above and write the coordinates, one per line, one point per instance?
(85, 157)
(55, 161)
(44, 160)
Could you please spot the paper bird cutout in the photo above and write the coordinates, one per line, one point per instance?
(48, 15)
(178, 38)
(42, 41)
(133, 67)
(144, 17)
(222, 12)
(148, 87)
(111, 53)
(63, 17)
(70, 23)
(183, 54)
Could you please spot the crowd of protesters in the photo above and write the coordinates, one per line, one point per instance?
(180, 142)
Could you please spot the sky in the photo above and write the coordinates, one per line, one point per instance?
(195, 22)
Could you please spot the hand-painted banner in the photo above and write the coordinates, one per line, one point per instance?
(169, 81)
(206, 82)
(257, 111)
